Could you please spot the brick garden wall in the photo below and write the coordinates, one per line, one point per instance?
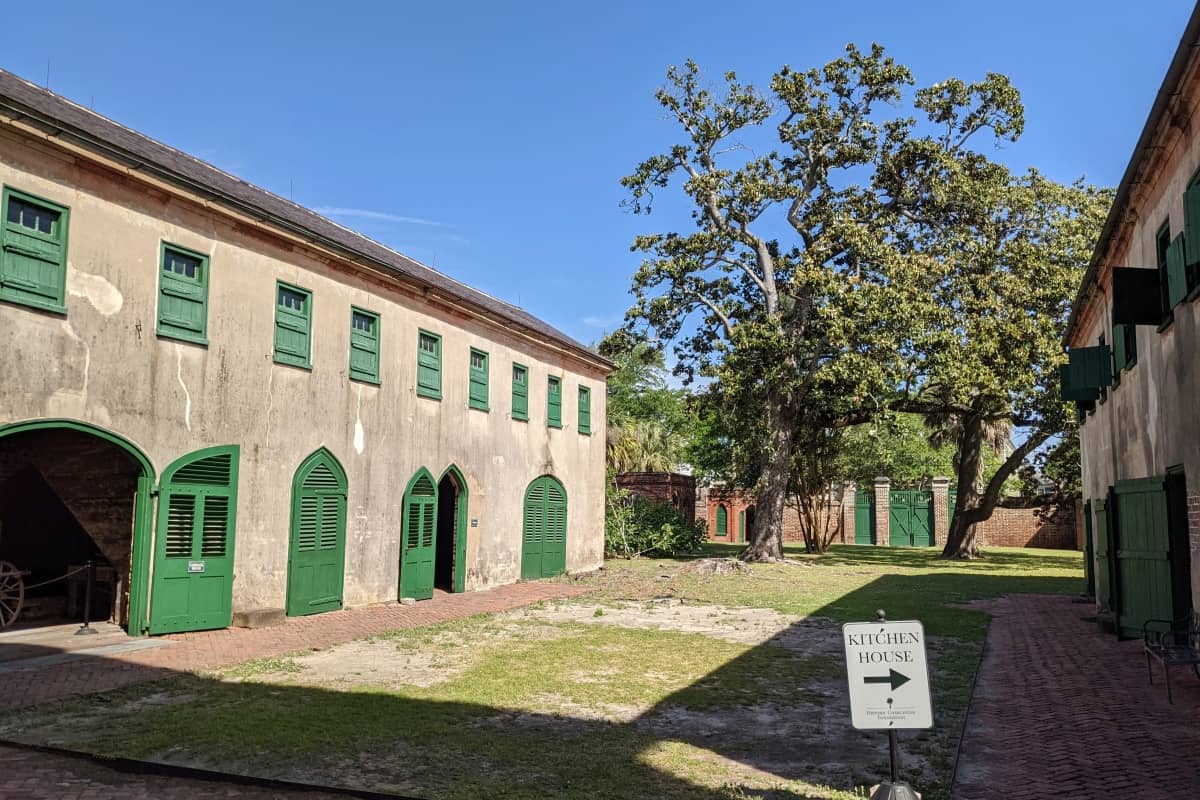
(1021, 522)
(1035, 522)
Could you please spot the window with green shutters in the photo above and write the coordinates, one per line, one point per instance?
(1124, 350)
(520, 392)
(585, 410)
(429, 365)
(1162, 243)
(1191, 230)
(479, 380)
(1177, 288)
(554, 402)
(182, 294)
(364, 345)
(293, 325)
(33, 251)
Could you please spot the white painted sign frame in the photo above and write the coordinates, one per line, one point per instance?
(886, 661)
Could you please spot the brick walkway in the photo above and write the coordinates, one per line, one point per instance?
(1062, 710)
(31, 775)
(212, 649)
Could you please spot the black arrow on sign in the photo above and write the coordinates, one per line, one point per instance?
(894, 678)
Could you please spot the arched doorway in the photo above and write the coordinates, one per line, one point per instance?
(450, 567)
(317, 551)
(70, 492)
(417, 537)
(544, 537)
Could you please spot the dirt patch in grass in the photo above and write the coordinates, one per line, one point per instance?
(752, 626)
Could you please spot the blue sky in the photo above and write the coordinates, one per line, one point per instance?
(488, 139)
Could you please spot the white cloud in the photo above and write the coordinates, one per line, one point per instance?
(382, 216)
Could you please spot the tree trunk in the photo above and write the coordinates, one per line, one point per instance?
(971, 506)
(960, 541)
(766, 543)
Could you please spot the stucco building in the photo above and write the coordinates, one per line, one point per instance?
(241, 408)
(1134, 368)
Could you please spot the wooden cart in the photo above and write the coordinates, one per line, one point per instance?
(12, 593)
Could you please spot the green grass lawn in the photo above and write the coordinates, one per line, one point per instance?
(731, 688)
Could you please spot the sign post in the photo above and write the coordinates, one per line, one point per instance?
(889, 686)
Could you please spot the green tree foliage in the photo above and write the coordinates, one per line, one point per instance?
(897, 446)
(786, 286)
(866, 260)
(1004, 253)
(648, 421)
(635, 526)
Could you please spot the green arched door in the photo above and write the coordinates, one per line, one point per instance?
(317, 555)
(193, 554)
(544, 538)
(417, 540)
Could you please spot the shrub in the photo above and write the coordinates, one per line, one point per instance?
(635, 526)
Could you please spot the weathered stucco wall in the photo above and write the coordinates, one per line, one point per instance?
(102, 363)
(1151, 421)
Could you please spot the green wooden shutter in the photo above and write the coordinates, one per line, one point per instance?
(554, 402)
(1089, 367)
(1191, 229)
(554, 549)
(585, 410)
(478, 396)
(722, 521)
(182, 294)
(293, 325)
(533, 530)
(417, 548)
(429, 365)
(316, 563)
(520, 392)
(364, 345)
(193, 565)
(1177, 287)
(33, 256)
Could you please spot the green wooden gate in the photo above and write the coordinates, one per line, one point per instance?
(1143, 585)
(317, 557)
(416, 548)
(909, 518)
(864, 518)
(193, 551)
(544, 539)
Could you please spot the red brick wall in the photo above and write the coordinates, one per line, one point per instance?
(664, 487)
(736, 501)
(1052, 526)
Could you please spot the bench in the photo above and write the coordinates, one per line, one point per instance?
(1173, 643)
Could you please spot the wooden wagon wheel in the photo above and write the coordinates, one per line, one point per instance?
(12, 593)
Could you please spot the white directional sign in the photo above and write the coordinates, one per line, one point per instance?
(889, 677)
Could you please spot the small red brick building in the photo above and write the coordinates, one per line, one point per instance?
(671, 488)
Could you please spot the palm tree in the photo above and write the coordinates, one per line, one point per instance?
(642, 446)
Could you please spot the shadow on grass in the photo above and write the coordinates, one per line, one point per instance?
(791, 724)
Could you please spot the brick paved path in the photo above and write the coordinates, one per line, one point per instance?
(31, 775)
(1062, 710)
(212, 649)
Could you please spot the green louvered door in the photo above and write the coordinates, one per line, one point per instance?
(317, 558)
(417, 549)
(544, 539)
(192, 588)
(1143, 553)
